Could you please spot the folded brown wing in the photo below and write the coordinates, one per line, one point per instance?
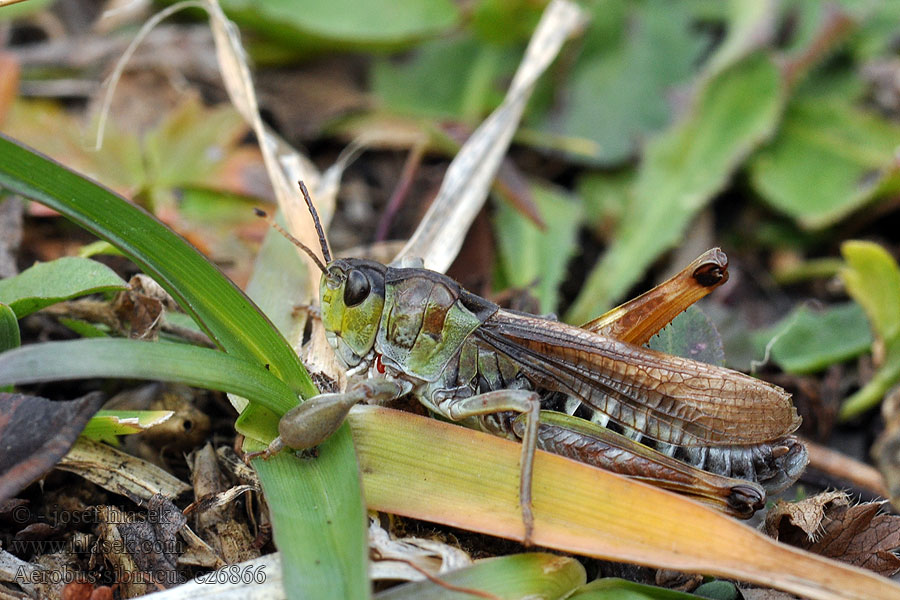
(667, 398)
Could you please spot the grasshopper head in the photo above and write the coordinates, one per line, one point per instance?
(352, 294)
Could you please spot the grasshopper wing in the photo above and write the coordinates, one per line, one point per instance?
(667, 398)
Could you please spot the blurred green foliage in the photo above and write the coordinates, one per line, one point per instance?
(661, 106)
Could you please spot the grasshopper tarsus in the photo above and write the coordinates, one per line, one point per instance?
(273, 448)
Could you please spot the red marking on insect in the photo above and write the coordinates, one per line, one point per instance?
(379, 366)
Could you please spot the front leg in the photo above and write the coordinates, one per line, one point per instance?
(520, 401)
(313, 421)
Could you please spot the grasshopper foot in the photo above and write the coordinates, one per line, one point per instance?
(528, 521)
(274, 448)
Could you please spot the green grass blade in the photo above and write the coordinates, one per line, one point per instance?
(222, 309)
(322, 538)
(9, 329)
(108, 357)
(613, 588)
(105, 425)
(533, 575)
(9, 334)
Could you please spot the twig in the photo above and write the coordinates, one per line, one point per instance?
(845, 468)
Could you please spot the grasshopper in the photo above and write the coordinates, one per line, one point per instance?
(414, 331)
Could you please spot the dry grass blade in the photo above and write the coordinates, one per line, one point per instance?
(577, 508)
(440, 235)
(119, 472)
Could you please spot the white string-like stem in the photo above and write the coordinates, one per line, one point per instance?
(440, 234)
(112, 12)
(113, 80)
(756, 364)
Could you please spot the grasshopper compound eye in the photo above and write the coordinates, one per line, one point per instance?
(357, 288)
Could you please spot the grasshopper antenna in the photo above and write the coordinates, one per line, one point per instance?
(315, 216)
(262, 214)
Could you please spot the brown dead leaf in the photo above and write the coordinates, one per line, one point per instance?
(36, 433)
(828, 525)
(77, 590)
(807, 515)
(861, 536)
(142, 312)
(215, 511)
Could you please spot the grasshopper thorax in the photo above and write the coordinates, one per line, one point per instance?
(352, 295)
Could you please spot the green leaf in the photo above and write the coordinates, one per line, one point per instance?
(99, 247)
(9, 335)
(189, 144)
(22, 9)
(531, 257)
(223, 311)
(743, 21)
(876, 35)
(691, 335)
(606, 197)
(466, 89)
(871, 394)
(843, 153)
(9, 329)
(278, 282)
(105, 425)
(124, 358)
(344, 24)
(85, 329)
(808, 341)
(505, 21)
(534, 575)
(49, 128)
(62, 279)
(618, 94)
(718, 590)
(613, 588)
(872, 278)
(682, 170)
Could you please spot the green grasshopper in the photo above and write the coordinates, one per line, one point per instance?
(414, 331)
